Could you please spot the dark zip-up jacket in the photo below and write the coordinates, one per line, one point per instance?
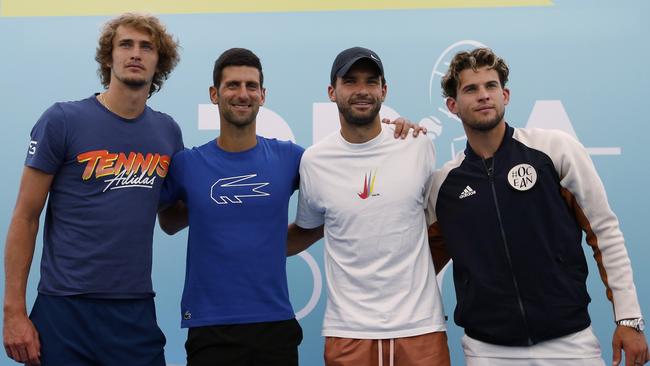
(513, 227)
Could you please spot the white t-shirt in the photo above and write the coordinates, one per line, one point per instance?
(371, 197)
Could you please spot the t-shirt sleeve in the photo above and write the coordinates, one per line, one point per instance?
(309, 214)
(296, 153)
(173, 185)
(46, 151)
(178, 138)
(429, 166)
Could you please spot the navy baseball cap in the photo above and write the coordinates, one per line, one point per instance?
(349, 57)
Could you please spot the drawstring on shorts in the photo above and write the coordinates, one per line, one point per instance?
(391, 354)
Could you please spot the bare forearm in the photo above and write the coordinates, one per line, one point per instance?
(299, 239)
(19, 252)
(20, 336)
(438, 248)
(174, 218)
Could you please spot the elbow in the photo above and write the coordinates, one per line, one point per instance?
(167, 225)
(300, 239)
(293, 250)
(168, 230)
(173, 219)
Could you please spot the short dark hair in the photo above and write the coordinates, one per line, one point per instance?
(475, 59)
(166, 47)
(236, 57)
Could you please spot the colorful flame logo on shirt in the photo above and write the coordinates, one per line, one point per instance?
(368, 185)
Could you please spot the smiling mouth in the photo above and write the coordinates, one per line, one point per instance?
(362, 103)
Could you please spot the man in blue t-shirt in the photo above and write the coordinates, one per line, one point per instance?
(236, 189)
(234, 193)
(100, 163)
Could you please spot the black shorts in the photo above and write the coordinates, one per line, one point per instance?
(254, 344)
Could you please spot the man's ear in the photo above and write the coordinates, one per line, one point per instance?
(263, 96)
(331, 94)
(214, 95)
(451, 105)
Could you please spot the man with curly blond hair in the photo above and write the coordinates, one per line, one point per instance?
(100, 163)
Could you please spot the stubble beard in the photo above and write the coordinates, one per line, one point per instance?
(135, 83)
(359, 120)
(131, 82)
(484, 126)
(239, 120)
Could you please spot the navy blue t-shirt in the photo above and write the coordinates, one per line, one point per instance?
(236, 254)
(108, 173)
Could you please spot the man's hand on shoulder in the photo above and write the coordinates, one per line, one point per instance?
(402, 127)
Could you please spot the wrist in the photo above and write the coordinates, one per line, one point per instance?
(14, 308)
(637, 324)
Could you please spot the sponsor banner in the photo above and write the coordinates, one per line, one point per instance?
(30, 8)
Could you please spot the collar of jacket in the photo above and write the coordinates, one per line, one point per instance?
(507, 138)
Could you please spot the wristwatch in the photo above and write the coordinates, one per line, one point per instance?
(637, 324)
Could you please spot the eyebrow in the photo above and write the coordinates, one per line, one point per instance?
(468, 86)
(489, 82)
(238, 82)
(131, 40)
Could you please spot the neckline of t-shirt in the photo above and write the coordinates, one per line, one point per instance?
(363, 145)
(115, 115)
(234, 154)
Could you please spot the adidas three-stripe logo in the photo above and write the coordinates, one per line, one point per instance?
(468, 191)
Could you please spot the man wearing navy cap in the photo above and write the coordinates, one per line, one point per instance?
(383, 304)
(236, 190)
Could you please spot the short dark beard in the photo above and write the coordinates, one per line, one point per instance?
(358, 120)
(135, 83)
(488, 126)
(234, 120)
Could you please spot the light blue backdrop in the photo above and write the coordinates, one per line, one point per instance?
(583, 64)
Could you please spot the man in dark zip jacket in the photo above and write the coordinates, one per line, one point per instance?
(520, 272)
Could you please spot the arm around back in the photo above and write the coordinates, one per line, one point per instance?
(299, 239)
(173, 218)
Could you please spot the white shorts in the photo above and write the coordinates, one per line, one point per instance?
(577, 349)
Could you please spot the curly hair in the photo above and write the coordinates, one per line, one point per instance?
(166, 46)
(475, 59)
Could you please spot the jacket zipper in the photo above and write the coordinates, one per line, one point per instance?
(490, 174)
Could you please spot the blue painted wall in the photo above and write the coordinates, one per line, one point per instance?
(583, 65)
